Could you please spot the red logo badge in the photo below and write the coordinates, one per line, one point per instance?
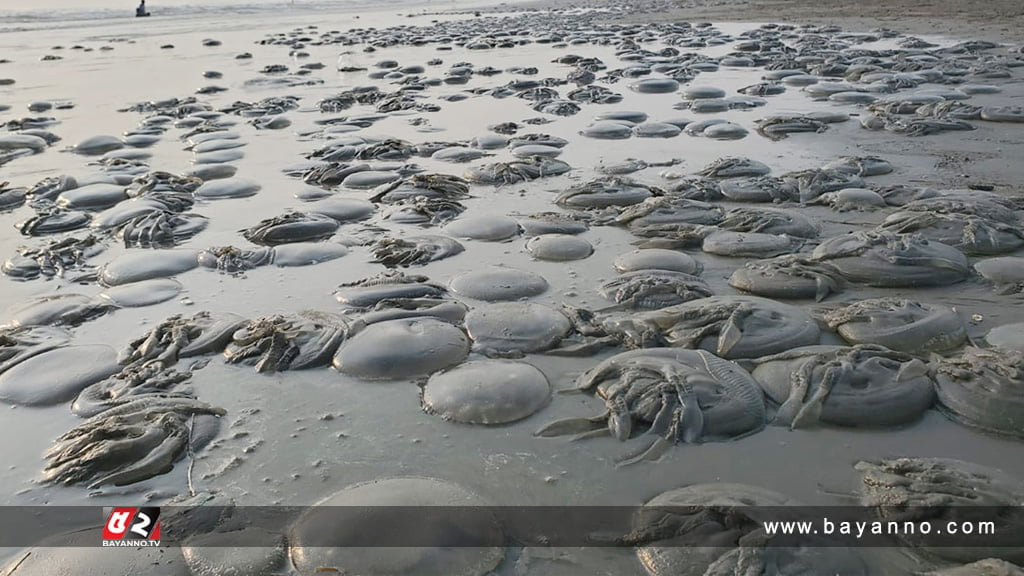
(132, 523)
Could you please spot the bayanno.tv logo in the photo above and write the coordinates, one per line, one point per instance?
(131, 526)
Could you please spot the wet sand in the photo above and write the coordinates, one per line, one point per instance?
(297, 437)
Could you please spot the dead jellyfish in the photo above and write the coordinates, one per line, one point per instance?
(498, 283)
(559, 247)
(858, 386)
(57, 376)
(936, 492)
(983, 389)
(145, 265)
(490, 227)
(702, 92)
(404, 348)
(725, 131)
(73, 553)
(342, 209)
(672, 533)
(486, 392)
(1006, 272)
(144, 293)
(657, 259)
(656, 130)
(655, 86)
(98, 196)
(609, 130)
(899, 324)
(653, 289)
(227, 188)
(514, 328)
(750, 244)
(97, 145)
(1008, 336)
(455, 532)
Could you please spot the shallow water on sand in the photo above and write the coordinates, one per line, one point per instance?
(309, 433)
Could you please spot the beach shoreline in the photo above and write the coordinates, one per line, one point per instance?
(995, 21)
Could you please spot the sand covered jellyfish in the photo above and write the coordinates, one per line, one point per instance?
(780, 126)
(160, 229)
(890, 260)
(862, 166)
(810, 184)
(1005, 272)
(53, 220)
(768, 221)
(293, 342)
(674, 533)
(146, 380)
(134, 266)
(21, 343)
(540, 223)
(233, 260)
(788, 277)
(655, 86)
(606, 192)
(486, 392)
(847, 199)
(689, 396)
(657, 259)
(986, 567)
(857, 386)
(983, 389)
(292, 227)
(343, 210)
(444, 186)
(402, 348)
(656, 130)
(65, 309)
(520, 170)
(936, 491)
(446, 310)
(97, 145)
(391, 285)
(559, 247)
(498, 283)
(92, 197)
(131, 442)
(653, 289)
(415, 250)
(56, 375)
(512, 329)
(227, 188)
(735, 167)
(609, 130)
(1007, 336)
(73, 553)
(1003, 113)
(899, 324)
(328, 175)
(487, 228)
(729, 326)
(970, 233)
(182, 337)
(986, 205)
(750, 244)
(463, 537)
(159, 184)
(758, 189)
(671, 216)
(11, 197)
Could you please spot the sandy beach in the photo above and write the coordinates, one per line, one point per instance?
(237, 189)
